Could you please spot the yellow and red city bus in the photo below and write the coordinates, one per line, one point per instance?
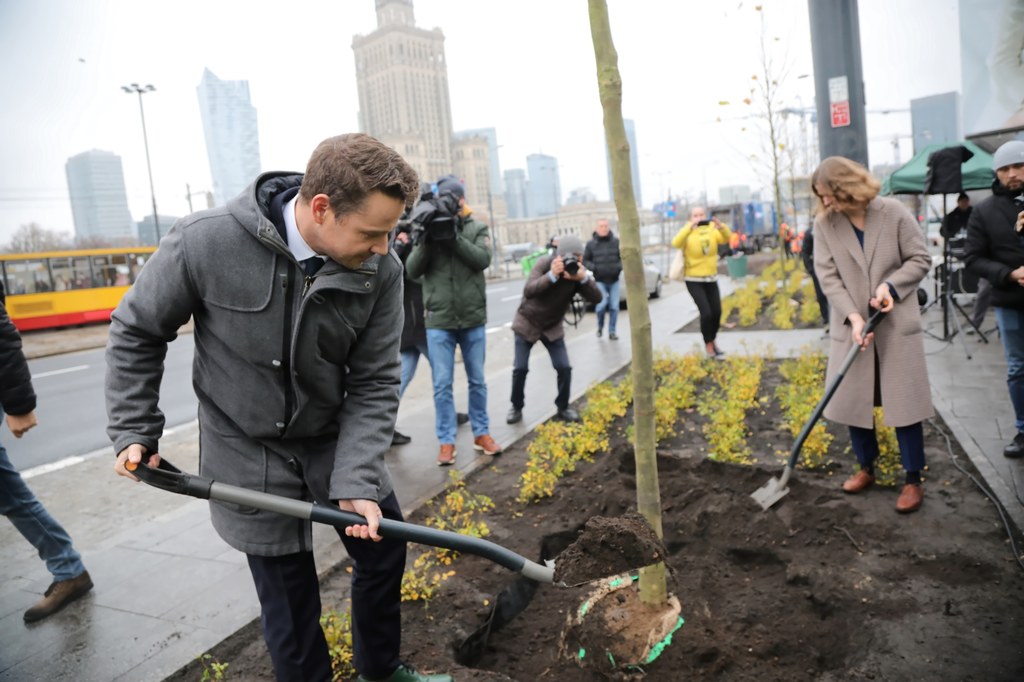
(60, 288)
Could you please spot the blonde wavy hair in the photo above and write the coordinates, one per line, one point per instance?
(851, 183)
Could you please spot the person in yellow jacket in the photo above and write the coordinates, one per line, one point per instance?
(699, 240)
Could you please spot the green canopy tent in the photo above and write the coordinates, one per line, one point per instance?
(910, 178)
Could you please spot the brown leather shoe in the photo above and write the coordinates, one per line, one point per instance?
(58, 595)
(910, 499)
(486, 445)
(447, 455)
(859, 482)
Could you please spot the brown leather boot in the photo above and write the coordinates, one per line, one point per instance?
(58, 595)
(910, 499)
(859, 482)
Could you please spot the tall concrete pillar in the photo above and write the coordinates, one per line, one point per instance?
(838, 79)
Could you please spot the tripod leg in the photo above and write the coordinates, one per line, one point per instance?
(956, 322)
(967, 317)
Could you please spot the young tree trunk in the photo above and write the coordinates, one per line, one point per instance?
(652, 580)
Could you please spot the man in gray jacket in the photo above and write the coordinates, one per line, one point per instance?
(297, 310)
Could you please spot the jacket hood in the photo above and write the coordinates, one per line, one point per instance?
(252, 207)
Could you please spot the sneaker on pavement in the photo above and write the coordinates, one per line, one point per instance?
(406, 673)
(598, 332)
(1016, 448)
(461, 418)
(613, 336)
(568, 415)
(486, 445)
(58, 595)
(400, 439)
(514, 416)
(446, 457)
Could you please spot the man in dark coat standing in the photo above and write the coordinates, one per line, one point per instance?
(547, 295)
(602, 258)
(995, 251)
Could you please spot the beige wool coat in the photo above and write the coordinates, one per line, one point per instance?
(894, 251)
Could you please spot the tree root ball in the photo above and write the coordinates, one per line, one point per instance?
(614, 634)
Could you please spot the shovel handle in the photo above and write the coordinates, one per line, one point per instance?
(830, 390)
(168, 477)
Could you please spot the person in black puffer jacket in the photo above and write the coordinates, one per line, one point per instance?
(17, 501)
(602, 258)
(995, 250)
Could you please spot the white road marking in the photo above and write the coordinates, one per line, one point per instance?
(78, 459)
(66, 370)
(512, 298)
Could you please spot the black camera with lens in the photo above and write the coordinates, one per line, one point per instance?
(436, 218)
(571, 263)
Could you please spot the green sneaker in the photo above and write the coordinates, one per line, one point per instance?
(406, 673)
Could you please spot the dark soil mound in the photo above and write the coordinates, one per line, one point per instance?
(824, 586)
(607, 547)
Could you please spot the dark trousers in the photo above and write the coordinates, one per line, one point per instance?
(521, 366)
(709, 303)
(910, 438)
(289, 594)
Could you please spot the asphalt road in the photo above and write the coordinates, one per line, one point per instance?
(71, 411)
(72, 414)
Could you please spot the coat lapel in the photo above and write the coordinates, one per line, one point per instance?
(844, 230)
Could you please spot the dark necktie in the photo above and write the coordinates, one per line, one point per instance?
(311, 265)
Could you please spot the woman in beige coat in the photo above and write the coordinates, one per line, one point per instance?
(869, 254)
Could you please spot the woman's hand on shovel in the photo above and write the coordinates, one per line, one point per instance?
(857, 331)
(369, 510)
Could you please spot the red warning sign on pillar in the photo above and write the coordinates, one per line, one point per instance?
(840, 114)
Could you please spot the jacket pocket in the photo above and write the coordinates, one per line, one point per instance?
(241, 289)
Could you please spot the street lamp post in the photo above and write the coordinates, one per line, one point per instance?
(140, 90)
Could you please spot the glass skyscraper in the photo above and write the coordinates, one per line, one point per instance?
(99, 202)
(232, 135)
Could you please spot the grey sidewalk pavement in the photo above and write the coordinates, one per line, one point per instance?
(168, 589)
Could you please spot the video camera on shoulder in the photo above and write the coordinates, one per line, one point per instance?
(438, 216)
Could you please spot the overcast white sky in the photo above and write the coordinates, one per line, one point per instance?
(524, 67)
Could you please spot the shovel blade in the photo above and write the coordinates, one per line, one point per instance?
(770, 493)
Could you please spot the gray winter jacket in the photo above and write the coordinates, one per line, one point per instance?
(297, 378)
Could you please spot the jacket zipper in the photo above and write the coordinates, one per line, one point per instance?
(286, 350)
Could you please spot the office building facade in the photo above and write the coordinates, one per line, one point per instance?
(515, 193)
(544, 191)
(232, 135)
(99, 201)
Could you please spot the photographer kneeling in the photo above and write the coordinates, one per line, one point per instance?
(547, 296)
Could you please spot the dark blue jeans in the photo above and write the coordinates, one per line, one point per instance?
(289, 593)
(521, 367)
(1011, 330)
(19, 504)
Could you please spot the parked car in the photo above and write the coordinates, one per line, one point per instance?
(652, 279)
